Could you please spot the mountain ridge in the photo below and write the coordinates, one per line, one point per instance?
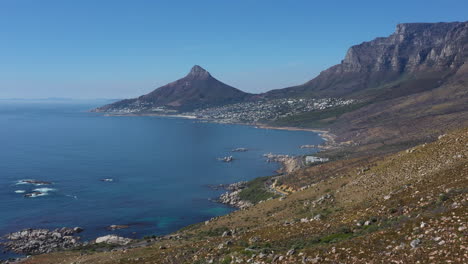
(197, 89)
(414, 49)
(416, 57)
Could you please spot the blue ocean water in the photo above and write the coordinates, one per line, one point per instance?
(160, 167)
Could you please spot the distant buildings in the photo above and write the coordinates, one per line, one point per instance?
(313, 159)
(247, 112)
(266, 110)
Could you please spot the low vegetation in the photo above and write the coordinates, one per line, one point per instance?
(257, 191)
(318, 118)
(400, 208)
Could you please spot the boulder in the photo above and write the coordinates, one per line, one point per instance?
(113, 239)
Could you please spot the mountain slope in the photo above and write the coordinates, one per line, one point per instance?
(417, 57)
(197, 89)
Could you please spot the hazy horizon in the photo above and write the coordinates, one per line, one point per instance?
(122, 49)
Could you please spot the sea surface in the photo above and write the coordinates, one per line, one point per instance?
(158, 169)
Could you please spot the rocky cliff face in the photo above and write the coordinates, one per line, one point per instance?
(415, 51)
(196, 90)
(412, 48)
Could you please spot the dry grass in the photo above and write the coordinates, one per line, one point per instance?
(395, 193)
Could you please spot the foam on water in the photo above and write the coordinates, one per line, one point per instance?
(44, 190)
(20, 191)
(33, 195)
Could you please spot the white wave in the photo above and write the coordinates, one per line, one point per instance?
(107, 180)
(44, 190)
(20, 191)
(37, 194)
(72, 196)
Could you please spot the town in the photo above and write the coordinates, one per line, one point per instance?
(266, 110)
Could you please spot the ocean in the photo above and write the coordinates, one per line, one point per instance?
(158, 169)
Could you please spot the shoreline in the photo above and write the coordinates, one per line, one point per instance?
(324, 134)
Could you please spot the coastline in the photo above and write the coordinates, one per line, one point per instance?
(324, 134)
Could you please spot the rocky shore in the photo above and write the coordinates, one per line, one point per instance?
(232, 198)
(288, 163)
(39, 241)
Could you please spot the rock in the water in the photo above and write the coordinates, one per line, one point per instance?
(35, 182)
(226, 159)
(115, 227)
(78, 229)
(239, 150)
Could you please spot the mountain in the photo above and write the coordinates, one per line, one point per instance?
(416, 57)
(196, 90)
(412, 85)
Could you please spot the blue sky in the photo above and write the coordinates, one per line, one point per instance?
(118, 49)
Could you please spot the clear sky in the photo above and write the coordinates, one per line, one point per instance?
(118, 49)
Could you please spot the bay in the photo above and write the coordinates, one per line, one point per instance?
(159, 168)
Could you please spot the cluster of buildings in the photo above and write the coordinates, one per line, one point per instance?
(313, 159)
(140, 107)
(257, 111)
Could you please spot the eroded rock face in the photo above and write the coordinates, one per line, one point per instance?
(419, 51)
(412, 47)
(39, 241)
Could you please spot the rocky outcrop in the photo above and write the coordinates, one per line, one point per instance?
(39, 241)
(232, 197)
(288, 163)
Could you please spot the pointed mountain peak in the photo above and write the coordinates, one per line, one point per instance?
(198, 72)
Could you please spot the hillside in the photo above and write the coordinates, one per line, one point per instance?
(196, 90)
(401, 208)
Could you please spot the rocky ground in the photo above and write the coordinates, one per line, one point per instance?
(39, 241)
